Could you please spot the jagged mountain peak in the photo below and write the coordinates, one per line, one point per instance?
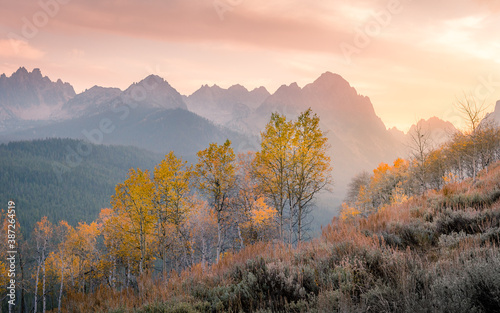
(153, 82)
(260, 89)
(330, 77)
(238, 89)
(154, 92)
(20, 71)
(432, 123)
(330, 82)
(438, 131)
(293, 87)
(31, 96)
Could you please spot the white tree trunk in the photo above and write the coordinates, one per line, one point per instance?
(62, 284)
(36, 285)
(44, 299)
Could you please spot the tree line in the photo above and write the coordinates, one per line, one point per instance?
(467, 152)
(181, 215)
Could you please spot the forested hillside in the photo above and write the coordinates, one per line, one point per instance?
(64, 179)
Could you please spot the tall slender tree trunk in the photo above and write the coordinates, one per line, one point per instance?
(164, 267)
(36, 284)
(299, 230)
(21, 285)
(62, 285)
(203, 253)
(128, 272)
(282, 237)
(44, 299)
(143, 247)
(242, 244)
(219, 240)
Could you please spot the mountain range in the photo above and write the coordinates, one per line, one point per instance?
(153, 115)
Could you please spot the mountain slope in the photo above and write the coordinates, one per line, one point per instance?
(90, 102)
(158, 130)
(64, 179)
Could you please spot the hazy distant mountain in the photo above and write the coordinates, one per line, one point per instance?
(437, 130)
(149, 114)
(226, 106)
(398, 135)
(157, 130)
(30, 96)
(495, 115)
(92, 101)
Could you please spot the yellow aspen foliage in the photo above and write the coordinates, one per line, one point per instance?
(260, 223)
(134, 201)
(398, 195)
(4, 276)
(82, 245)
(348, 213)
(172, 192)
(117, 232)
(261, 213)
(215, 178)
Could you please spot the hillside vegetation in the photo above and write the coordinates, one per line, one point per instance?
(230, 233)
(434, 253)
(64, 179)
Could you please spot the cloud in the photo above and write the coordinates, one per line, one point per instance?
(15, 48)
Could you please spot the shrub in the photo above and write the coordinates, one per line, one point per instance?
(473, 288)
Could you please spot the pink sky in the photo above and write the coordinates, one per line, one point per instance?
(412, 58)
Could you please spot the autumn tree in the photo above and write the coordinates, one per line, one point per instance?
(215, 176)
(203, 224)
(134, 199)
(473, 114)
(420, 147)
(436, 167)
(358, 193)
(273, 162)
(311, 169)
(388, 185)
(83, 246)
(62, 231)
(171, 180)
(42, 235)
(292, 167)
(256, 217)
(120, 246)
(488, 143)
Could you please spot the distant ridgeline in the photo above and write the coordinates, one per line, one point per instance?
(64, 179)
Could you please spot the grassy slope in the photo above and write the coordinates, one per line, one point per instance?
(436, 253)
